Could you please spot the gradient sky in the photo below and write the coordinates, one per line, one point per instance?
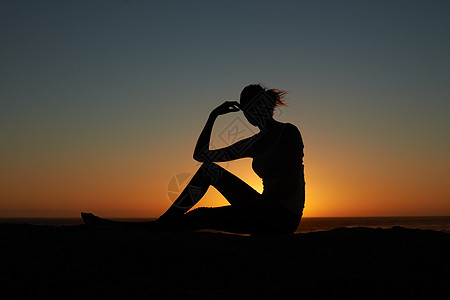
(102, 101)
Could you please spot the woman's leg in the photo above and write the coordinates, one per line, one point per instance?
(236, 191)
(261, 216)
(237, 219)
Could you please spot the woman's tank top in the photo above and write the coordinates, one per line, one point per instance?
(283, 179)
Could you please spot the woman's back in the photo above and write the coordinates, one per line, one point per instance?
(279, 164)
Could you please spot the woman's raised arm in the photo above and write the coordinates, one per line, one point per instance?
(202, 153)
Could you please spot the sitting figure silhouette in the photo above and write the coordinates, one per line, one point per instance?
(277, 153)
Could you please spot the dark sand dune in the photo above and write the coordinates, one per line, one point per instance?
(40, 262)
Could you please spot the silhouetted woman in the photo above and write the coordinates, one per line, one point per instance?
(277, 153)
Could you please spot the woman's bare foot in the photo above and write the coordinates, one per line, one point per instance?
(90, 219)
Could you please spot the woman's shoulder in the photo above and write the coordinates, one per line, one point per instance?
(292, 134)
(291, 128)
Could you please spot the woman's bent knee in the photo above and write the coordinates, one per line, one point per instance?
(211, 171)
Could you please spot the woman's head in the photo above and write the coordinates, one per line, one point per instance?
(258, 103)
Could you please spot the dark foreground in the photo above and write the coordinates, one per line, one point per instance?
(76, 262)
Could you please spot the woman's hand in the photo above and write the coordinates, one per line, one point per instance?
(226, 107)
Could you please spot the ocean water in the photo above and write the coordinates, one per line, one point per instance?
(306, 225)
(426, 223)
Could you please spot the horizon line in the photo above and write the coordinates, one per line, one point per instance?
(335, 217)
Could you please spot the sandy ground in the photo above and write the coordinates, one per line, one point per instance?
(73, 262)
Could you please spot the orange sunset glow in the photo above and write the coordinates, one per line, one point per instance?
(102, 107)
